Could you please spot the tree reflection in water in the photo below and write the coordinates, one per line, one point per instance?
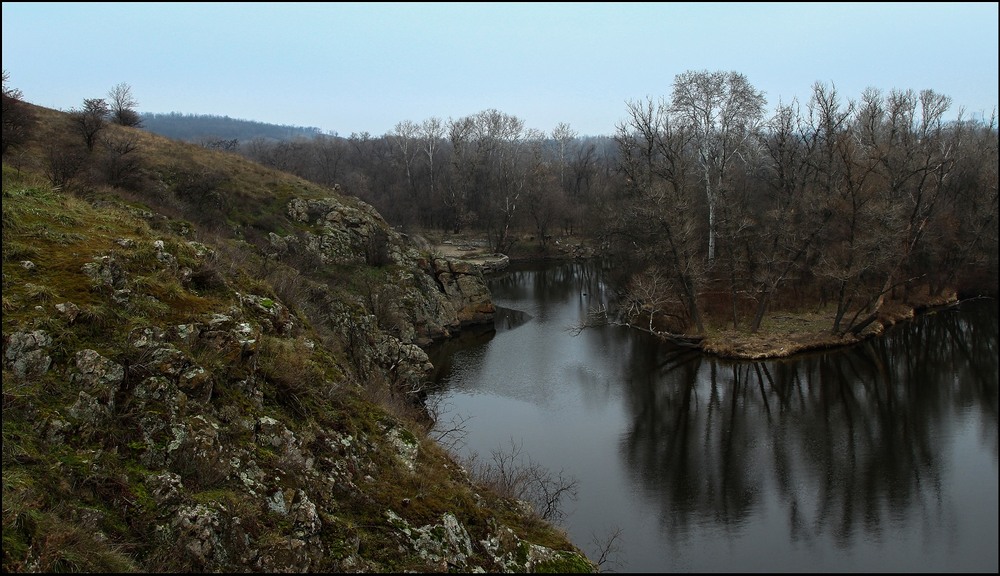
(851, 441)
(881, 456)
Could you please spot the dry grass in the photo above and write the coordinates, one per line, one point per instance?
(786, 333)
(65, 508)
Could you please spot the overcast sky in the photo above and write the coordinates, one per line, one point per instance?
(364, 67)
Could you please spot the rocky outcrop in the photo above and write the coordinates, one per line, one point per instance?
(167, 408)
(185, 441)
(437, 297)
(462, 283)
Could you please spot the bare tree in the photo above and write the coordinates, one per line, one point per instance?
(461, 136)
(564, 136)
(216, 143)
(513, 475)
(451, 434)
(723, 111)
(964, 250)
(499, 140)
(432, 132)
(928, 159)
(650, 294)
(404, 137)
(64, 161)
(655, 222)
(856, 246)
(121, 161)
(17, 117)
(90, 120)
(257, 149)
(904, 135)
(544, 201)
(122, 104)
(583, 173)
(328, 154)
(608, 548)
(792, 217)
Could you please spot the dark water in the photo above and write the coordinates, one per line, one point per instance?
(881, 457)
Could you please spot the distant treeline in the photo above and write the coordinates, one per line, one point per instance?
(207, 127)
(717, 205)
(721, 209)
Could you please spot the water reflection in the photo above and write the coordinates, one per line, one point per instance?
(882, 456)
(442, 354)
(851, 443)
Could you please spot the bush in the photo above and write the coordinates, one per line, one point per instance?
(18, 118)
(510, 474)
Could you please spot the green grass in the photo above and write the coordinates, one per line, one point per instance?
(82, 496)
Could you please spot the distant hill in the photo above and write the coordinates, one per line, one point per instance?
(208, 127)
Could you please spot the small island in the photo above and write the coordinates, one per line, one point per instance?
(781, 334)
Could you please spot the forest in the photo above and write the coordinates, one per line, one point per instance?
(721, 209)
(221, 132)
(717, 204)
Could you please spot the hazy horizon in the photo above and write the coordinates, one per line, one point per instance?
(364, 67)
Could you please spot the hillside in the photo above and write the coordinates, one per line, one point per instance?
(201, 128)
(213, 366)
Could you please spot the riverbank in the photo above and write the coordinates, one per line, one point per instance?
(782, 333)
(469, 251)
(476, 250)
(786, 333)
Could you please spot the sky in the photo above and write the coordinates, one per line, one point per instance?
(357, 67)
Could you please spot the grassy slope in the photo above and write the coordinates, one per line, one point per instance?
(82, 501)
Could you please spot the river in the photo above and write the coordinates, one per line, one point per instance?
(881, 457)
